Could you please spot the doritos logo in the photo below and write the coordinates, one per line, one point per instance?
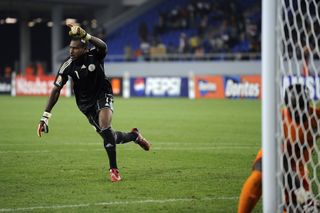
(241, 89)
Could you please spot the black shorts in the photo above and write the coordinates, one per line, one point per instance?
(93, 112)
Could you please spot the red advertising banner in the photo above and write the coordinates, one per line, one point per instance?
(36, 85)
(209, 87)
(235, 87)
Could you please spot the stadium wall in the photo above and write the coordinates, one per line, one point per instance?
(161, 79)
(182, 68)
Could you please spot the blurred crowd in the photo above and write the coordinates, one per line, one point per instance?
(5, 73)
(34, 69)
(200, 29)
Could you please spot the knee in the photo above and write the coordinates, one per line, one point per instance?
(105, 117)
(104, 126)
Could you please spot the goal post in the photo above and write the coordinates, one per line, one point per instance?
(290, 93)
(269, 106)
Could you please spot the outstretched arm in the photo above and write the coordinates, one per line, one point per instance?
(44, 121)
(53, 98)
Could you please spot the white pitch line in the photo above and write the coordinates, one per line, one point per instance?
(203, 148)
(115, 203)
(198, 148)
(23, 151)
(167, 143)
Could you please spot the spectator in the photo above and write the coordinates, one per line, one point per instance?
(171, 51)
(199, 53)
(39, 69)
(183, 43)
(138, 54)
(29, 71)
(194, 43)
(7, 72)
(145, 49)
(128, 52)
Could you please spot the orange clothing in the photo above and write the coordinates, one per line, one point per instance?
(259, 155)
(295, 136)
(250, 193)
(299, 138)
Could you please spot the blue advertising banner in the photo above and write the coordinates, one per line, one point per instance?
(159, 87)
(242, 87)
(312, 82)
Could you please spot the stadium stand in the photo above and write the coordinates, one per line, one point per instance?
(190, 29)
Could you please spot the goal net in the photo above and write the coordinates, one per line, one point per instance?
(298, 82)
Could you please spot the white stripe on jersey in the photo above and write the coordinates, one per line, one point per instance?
(65, 65)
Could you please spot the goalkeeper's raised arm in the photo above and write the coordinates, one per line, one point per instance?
(99, 44)
(78, 32)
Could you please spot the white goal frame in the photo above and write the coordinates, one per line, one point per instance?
(269, 109)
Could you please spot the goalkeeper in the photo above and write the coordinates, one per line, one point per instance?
(299, 121)
(93, 93)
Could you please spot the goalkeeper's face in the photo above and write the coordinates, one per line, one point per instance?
(76, 49)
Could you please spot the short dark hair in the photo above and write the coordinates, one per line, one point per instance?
(84, 43)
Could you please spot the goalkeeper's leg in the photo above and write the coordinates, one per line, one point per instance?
(251, 192)
(108, 135)
(120, 137)
(134, 135)
(110, 146)
(125, 137)
(109, 140)
(252, 188)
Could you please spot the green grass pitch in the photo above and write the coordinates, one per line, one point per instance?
(201, 154)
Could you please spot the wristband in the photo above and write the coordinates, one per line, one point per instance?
(87, 37)
(46, 114)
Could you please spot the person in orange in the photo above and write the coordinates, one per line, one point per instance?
(300, 123)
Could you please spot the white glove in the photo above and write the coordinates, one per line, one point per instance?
(302, 195)
(43, 124)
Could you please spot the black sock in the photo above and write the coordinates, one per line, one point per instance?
(109, 141)
(123, 137)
